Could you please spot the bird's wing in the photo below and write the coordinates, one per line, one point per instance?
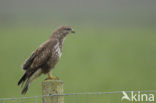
(40, 56)
(29, 61)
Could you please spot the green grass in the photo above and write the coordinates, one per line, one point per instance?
(95, 59)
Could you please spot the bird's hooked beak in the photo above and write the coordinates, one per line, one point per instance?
(72, 31)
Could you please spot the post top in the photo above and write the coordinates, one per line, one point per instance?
(53, 81)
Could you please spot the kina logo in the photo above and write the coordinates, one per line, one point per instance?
(137, 96)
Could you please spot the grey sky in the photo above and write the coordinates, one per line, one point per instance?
(139, 12)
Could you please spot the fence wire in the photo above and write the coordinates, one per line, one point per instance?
(86, 97)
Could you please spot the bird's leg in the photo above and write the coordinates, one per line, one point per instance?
(51, 77)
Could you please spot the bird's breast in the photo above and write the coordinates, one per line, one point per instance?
(57, 51)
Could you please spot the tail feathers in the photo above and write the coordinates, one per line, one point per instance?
(24, 77)
(29, 79)
(25, 89)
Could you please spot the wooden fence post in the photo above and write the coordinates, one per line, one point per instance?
(52, 87)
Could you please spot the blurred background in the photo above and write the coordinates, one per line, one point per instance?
(114, 48)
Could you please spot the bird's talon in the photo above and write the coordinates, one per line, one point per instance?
(52, 78)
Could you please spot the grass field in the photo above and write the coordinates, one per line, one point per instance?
(95, 59)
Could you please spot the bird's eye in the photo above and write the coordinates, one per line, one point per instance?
(67, 28)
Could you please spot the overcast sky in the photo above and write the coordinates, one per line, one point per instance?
(141, 12)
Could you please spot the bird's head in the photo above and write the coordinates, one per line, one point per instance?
(62, 32)
(65, 30)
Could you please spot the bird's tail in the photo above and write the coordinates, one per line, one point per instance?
(33, 76)
(22, 80)
(25, 89)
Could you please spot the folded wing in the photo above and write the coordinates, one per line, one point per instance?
(40, 56)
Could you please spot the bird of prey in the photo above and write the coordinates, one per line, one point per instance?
(45, 57)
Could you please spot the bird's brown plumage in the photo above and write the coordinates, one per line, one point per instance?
(45, 57)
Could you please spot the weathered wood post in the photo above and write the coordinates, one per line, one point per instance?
(52, 87)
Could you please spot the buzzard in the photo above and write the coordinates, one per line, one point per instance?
(45, 57)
